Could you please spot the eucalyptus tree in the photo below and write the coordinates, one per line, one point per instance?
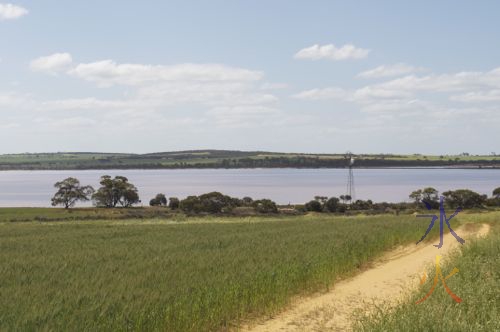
(70, 191)
(115, 191)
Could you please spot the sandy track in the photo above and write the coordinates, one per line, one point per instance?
(391, 278)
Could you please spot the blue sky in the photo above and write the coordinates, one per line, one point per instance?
(301, 76)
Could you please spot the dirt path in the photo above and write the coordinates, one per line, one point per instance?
(392, 277)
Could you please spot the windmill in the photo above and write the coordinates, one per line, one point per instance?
(349, 157)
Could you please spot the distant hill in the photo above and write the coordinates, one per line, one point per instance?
(231, 159)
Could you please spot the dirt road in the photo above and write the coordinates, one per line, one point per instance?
(391, 278)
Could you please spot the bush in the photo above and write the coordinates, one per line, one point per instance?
(332, 204)
(159, 200)
(265, 206)
(313, 206)
(213, 202)
(247, 201)
(464, 198)
(173, 203)
(190, 204)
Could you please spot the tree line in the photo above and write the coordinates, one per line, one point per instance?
(119, 192)
(426, 198)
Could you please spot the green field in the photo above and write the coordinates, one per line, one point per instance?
(80, 214)
(231, 159)
(195, 275)
(477, 284)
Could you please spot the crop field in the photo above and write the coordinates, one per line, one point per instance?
(477, 283)
(193, 275)
(60, 214)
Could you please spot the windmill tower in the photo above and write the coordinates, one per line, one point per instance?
(350, 178)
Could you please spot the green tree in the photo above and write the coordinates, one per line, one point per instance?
(173, 203)
(314, 206)
(416, 196)
(191, 204)
(430, 195)
(321, 199)
(496, 193)
(332, 204)
(464, 198)
(215, 202)
(247, 201)
(115, 191)
(362, 205)
(265, 206)
(69, 191)
(159, 200)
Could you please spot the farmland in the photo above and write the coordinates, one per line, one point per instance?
(231, 159)
(190, 275)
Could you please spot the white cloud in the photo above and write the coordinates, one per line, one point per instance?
(83, 104)
(11, 12)
(397, 69)
(331, 52)
(74, 122)
(205, 93)
(478, 86)
(12, 100)
(374, 92)
(461, 81)
(477, 96)
(225, 95)
(367, 94)
(323, 94)
(418, 95)
(7, 126)
(54, 63)
(161, 87)
(108, 73)
(274, 86)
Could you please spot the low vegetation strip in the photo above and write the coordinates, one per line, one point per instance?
(477, 283)
(181, 277)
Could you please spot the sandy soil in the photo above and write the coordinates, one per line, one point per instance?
(390, 279)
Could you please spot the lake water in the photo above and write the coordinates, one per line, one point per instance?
(35, 188)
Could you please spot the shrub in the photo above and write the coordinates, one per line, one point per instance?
(173, 203)
(332, 204)
(190, 204)
(314, 206)
(159, 200)
(265, 206)
(464, 198)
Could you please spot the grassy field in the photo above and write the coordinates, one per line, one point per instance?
(190, 276)
(477, 284)
(196, 275)
(60, 214)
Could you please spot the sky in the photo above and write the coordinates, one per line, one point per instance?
(276, 75)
